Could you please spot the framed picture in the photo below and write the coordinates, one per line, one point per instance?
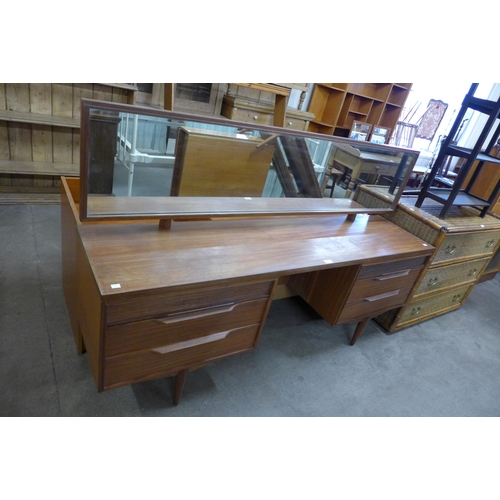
(380, 134)
(360, 131)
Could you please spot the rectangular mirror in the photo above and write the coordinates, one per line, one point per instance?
(142, 163)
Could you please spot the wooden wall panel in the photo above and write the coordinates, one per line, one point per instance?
(102, 92)
(41, 143)
(17, 96)
(4, 141)
(81, 91)
(2, 96)
(41, 98)
(62, 100)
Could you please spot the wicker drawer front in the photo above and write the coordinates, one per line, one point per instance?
(467, 245)
(163, 303)
(373, 305)
(168, 360)
(176, 328)
(434, 304)
(381, 284)
(446, 276)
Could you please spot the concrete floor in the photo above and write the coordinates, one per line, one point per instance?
(447, 366)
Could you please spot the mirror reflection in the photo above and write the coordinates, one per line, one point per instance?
(134, 152)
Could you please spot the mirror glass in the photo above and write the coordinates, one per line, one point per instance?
(139, 162)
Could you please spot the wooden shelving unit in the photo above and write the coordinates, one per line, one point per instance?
(337, 105)
(40, 133)
(458, 194)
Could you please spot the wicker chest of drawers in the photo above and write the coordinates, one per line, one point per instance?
(464, 246)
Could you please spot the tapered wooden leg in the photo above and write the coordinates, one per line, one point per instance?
(359, 330)
(180, 380)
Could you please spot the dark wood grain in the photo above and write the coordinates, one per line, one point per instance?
(142, 257)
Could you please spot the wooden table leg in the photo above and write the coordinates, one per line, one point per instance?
(180, 380)
(359, 330)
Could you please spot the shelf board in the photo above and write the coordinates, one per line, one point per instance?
(39, 119)
(124, 86)
(331, 87)
(462, 199)
(38, 168)
(483, 105)
(359, 113)
(323, 124)
(466, 153)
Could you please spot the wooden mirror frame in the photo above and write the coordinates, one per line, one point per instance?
(192, 208)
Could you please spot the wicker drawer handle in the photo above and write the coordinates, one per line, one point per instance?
(394, 275)
(450, 249)
(432, 282)
(382, 296)
(472, 272)
(456, 298)
(490, 243)
(415, 311)
(198, 313)
(192, 343)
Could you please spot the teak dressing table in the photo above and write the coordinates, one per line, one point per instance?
(147, 302)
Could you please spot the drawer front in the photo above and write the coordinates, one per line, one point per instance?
(168, 360)
(373, 168)
(446, 276)
(163, 303)
(391, 267)
(182, 327)
(295, 124)
(467, 245)
(247, 115)
(377, 285)
(373, 305)
(435, 304)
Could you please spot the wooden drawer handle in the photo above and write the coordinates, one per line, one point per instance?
(393, 275)
(198, 313)
(192, 343)
(415, 311)
(450, 249)
(490, 243)
(456, 298)
(472, 272)
(382, 296)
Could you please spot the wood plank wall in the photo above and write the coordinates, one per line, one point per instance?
(38, 142)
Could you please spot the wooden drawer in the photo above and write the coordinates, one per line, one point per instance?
(434, 304)
(178, 328)
(295, 123)
(162, 303)
(373, 168)
(168, 360)
(391, 267)
(373, 305)
(260, 117)
(457, 246)
(247, 115)
(447, 276)
(377, 285)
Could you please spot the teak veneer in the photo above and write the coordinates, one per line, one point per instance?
(147, 303)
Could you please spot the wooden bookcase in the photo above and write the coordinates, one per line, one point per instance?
(337, 105)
